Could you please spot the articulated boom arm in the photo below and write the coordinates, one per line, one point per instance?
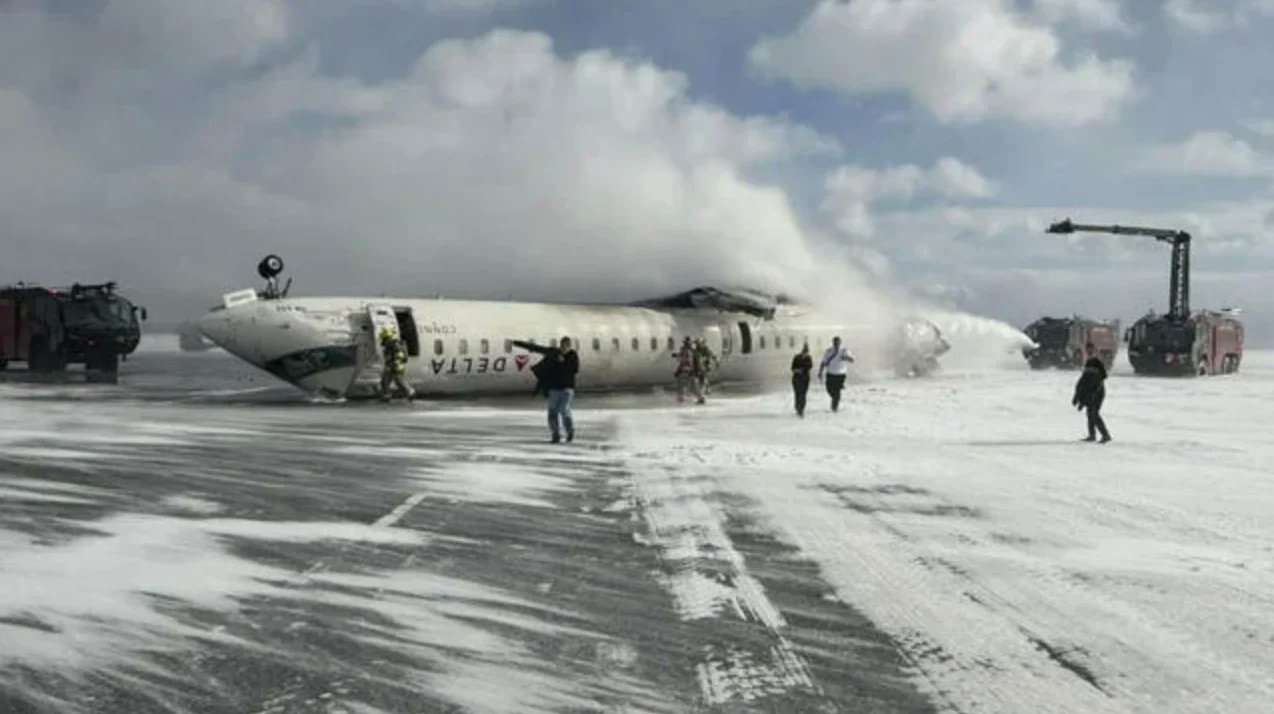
(1179, 285)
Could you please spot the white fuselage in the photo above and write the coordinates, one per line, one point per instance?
(328, 345)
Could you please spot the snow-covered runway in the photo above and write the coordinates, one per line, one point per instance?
(214, 544)
(1016, 568)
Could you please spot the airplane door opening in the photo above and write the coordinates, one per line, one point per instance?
(745, 338)
(407, 330)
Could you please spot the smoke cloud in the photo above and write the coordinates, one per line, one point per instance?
(494, 167)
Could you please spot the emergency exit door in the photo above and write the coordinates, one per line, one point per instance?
(380, 318)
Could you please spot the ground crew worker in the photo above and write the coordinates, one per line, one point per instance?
(836, 360)
(802, 365)
(705, 364)
(556, 375)
(686, 374)
(1090, 392)
(393, 354)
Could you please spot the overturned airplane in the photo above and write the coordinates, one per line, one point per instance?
(327, 345)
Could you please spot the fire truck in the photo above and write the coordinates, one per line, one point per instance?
(1180, 342)
(1060, 341)
(51, 328)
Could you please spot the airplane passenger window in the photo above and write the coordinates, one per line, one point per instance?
(636, 345)
(508, 347)
(791, 341)
(672, 345)
(438, 347)
(484, 346)
(464, 346)
(597, 344)
(614, 342)
(654, 344)
(761, 343)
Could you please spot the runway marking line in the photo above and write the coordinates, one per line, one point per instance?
(389, 519)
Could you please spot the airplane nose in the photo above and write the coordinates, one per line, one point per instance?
(225, 329)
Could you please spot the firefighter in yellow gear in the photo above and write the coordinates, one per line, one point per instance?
(394, 358)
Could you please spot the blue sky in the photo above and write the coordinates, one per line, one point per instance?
(483, 147)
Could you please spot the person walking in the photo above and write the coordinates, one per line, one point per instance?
(835, 362)
(802, 365)
(1090, 392)
(393, 355)
(557, 378)
(686, 373)
(705, 364)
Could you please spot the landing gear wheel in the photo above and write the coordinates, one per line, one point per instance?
(270, 267)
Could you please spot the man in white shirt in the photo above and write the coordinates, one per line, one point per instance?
(835, 362)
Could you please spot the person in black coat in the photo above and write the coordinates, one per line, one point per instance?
(1090, 392)
(802, 365)
(555, 376)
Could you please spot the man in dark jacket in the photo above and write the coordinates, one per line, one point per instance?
(556, 374)
(1090, 392)
(802, 365)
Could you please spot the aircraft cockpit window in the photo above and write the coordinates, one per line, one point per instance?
(438, 349)
(464, 347)
(654, 344)
(614, 343)
(484, 346)
(636, 345)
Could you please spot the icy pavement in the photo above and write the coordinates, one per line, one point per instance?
(1016, 569)
(196, 539)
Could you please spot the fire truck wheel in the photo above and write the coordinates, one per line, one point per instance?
(42, 359)
(102, 367)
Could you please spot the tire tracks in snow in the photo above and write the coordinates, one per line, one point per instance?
(708, 580)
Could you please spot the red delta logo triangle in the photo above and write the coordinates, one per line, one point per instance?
(520, 361)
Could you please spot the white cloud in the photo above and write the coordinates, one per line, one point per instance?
(1262, 127)
(1096, 14)
(1213, 16)
(1208, 153)
(851, 192)
(493, 167)
(962, 59)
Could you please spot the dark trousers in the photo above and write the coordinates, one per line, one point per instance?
(1095, 422)
(835, 383)
(800, 387)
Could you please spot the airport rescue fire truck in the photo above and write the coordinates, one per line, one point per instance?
(51, 328)
(1180, 342)
(1060, 341)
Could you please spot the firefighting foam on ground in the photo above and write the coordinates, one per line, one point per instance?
(940, 544)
